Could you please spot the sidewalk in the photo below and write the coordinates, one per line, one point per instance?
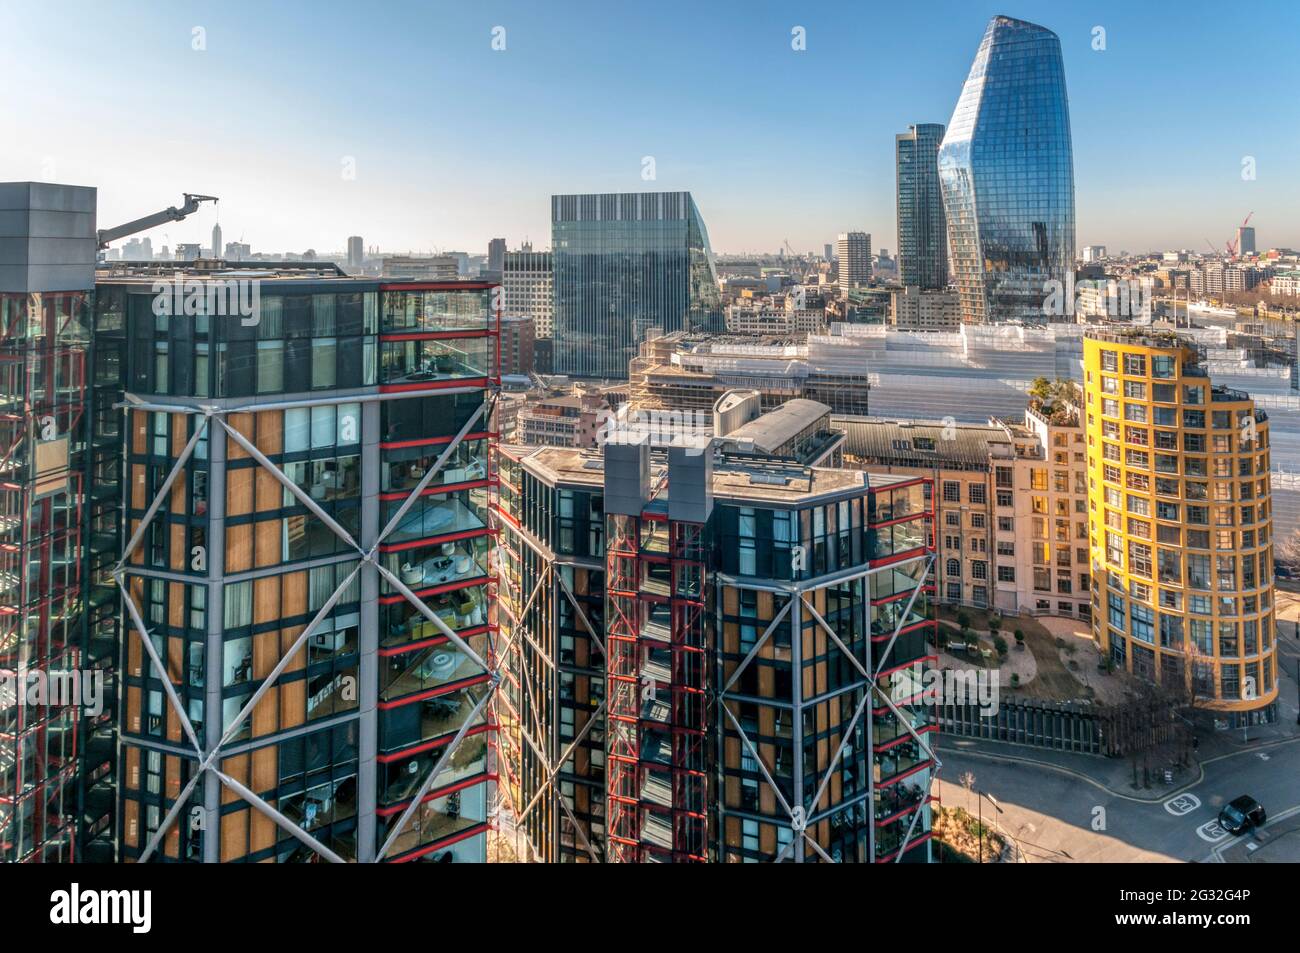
(1116, 775)
(1112, 774)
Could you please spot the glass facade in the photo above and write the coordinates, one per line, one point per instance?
(55, 743)
(1007, 175)
(736, 608)
(922, 228)
(624, 263)
(350, 392)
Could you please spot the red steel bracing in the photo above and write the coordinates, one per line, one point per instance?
(657, 806)
(42, 385)
(623, 690)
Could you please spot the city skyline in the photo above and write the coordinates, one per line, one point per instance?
(280, 171)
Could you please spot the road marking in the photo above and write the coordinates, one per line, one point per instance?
(1263, 756)
(1182, 804)
(1216, 853)
(1211, 832)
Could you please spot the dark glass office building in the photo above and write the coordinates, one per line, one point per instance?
(624, 263)
(1008, 176)
(922, 228)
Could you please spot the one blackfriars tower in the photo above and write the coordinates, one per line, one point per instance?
(1007, 175)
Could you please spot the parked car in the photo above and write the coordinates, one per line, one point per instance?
(1241, 814)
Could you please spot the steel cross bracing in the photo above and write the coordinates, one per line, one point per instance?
(800, 821)
(520, 630)
(206, 759)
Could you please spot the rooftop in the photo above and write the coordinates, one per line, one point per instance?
(775, 429)
(922, 443)
(788, 485)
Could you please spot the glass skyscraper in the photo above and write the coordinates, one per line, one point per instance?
(1008, 176)
(922, 233)
(623, 263)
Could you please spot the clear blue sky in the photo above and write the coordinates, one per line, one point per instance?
(455, 143)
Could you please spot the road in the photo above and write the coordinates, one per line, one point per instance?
(1058, 817)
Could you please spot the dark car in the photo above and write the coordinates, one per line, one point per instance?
(1241, 815)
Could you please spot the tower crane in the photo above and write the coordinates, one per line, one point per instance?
(172, 214)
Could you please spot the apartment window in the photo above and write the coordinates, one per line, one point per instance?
(1135, 365)
(1139, 559)
(1006, 574)
(977, 493)
(951, 491)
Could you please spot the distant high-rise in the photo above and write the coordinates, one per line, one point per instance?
(1246, 240)
(625, 263)
(496, 255)
(829, 252)
(854, 250)
(1093, 253)
(922, 229)
(216, 241)
(527, 288)
(1007, 174)
(356, 251)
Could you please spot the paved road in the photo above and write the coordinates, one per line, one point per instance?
(1058, 817)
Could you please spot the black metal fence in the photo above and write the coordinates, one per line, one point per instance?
(1061, 725)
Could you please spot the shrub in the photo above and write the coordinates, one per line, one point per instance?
(1000, 644)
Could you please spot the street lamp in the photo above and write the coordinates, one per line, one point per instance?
(979, 808)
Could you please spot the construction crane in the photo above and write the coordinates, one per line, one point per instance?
(1232, 245)
(172, 214)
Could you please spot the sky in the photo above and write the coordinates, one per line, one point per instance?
(400, 122)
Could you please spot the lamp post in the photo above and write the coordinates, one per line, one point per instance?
(979, 808)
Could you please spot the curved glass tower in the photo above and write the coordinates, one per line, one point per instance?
(1007, 175)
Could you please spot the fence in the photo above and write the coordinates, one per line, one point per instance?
(1064, 726)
